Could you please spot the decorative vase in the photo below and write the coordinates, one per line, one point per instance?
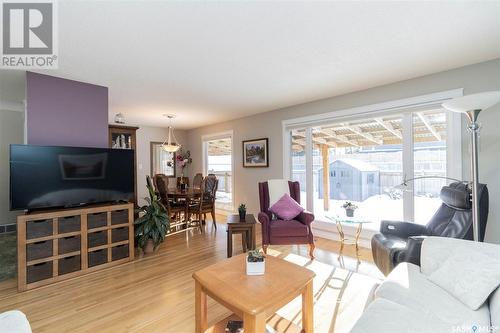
(243, 214)
(256, 268)
(349, 212)
(149, 248)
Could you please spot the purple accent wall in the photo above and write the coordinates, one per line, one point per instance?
(61, 112)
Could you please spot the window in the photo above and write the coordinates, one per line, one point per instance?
(370, 179)
(368, 162)
(218, 160)
(162, 162)
(363, 158)
(298, 161)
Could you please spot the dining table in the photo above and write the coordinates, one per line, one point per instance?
(187, 194)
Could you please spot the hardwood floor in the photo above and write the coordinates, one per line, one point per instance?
(151, 294)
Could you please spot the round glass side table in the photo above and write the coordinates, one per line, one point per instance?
(353, 221)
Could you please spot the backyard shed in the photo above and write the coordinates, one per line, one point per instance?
(351, 179)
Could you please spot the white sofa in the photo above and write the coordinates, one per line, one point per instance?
(14, 322)
(408, 301)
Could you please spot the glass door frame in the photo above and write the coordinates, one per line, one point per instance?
(215, 136)
(406, 107)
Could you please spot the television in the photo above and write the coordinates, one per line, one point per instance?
(53, 177)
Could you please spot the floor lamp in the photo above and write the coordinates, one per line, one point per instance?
(472, 105)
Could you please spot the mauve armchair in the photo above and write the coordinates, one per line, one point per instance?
(280, 232)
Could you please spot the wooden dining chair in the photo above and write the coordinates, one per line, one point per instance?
(211, 184)
(174, 209)
(160, 182)
(195, 206)
(197, 180)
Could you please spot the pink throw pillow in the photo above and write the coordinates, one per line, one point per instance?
(286, 208)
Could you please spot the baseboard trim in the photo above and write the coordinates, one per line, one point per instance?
(8, 228)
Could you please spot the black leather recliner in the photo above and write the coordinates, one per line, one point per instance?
(401, 241)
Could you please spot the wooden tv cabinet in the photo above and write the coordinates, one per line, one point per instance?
(57, 245)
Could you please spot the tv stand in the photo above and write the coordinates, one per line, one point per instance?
(55, 245)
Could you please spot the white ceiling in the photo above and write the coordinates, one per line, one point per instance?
(213, 61)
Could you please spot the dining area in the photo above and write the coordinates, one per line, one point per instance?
(188, 202)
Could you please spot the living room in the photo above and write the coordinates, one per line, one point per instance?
(266, 166)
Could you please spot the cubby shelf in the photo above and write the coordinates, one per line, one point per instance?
(53, 245)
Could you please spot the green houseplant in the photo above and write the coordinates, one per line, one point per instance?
(153, 222)
(242, 210)
(256, 263)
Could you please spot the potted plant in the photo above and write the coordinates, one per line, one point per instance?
(153, 222)
(256, 263)
(242, 210)
(349, 208)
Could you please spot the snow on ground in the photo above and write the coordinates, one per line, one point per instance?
(377, 208)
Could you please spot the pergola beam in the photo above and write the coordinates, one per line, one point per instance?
(377, 130)
(342, 138)
(298, 133)
(299, 139)
(301, 142)
(323, 141)
(388, 126)
(429, 126)
(219, 147)
(357, 130)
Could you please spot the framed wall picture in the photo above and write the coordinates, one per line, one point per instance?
(256, 153)
(162, 162)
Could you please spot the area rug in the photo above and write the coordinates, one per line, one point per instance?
(8, 256)
(340, 296)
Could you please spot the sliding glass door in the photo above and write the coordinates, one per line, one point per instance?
(358, 161)
(429, 155)
(363, 160)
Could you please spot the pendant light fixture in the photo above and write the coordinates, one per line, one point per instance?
(171, 144)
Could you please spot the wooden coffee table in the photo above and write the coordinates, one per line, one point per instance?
(247, 230)
(253, 298)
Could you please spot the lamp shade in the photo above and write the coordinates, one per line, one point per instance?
(480, 101)
(171, 148)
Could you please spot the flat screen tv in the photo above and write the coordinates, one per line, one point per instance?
(53, 177)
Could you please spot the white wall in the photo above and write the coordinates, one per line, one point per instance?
(11, 132)
(146, 135)
(475, 78)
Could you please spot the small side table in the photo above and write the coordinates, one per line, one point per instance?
(340, 220)
(246, 228)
